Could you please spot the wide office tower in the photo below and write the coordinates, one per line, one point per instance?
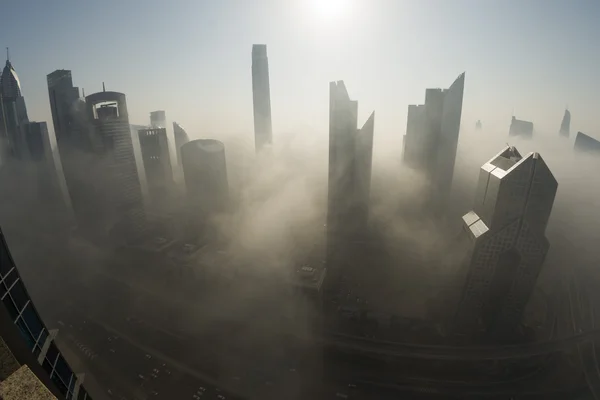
(261, 97)
(506, 242)
(13, 113)
(181, 138)
(158, 119)
(350, 158)
(114, 176)
(154, 147)
(207, 186)
(565, 125)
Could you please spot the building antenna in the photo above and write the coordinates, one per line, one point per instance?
(7, 55)
(103, 87)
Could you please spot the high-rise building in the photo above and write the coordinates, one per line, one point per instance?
(112, 173)
(261, 95)
(565, 125)
(506, 242)
(32, 365)
(431, 138)
(523, 129)
(154, 147)
(205, 174)
(586, 144)
(13, 113)
(181, 138)
(478, 125)
(350, 156)
(158, 119)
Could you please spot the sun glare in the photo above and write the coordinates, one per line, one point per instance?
(330, 9)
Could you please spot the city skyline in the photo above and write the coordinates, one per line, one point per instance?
(298, 104)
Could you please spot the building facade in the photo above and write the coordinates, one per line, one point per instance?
(506, 242)
(181, 138)
(586, 144)
(520, 128)
(27, 347)
(154, 147)
(261, 96)
(565, 125)
(158, 119)
(13, 113)
(431, 139)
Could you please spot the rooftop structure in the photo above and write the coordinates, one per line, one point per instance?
(565, 126)
(586, 144)
(523, 129)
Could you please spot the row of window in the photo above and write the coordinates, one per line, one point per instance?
(17, 302)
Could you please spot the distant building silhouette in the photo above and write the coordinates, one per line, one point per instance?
(114, 178)
(478, 125)
(431, 138)
(181, 138)
(565, 125)
(350, 157)
(158, 119)
(586, 144)
(506, 242)
(154, 147)
(523, 129)
(205, 175)
(261, 95)
(13, 113)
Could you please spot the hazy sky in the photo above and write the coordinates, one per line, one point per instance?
(192, 58)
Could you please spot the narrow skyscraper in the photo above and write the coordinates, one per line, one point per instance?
(350, 158)
(506, 243)
(261, 95)
(523, 129)
(181, 138)
(154, 147)
(565, 126)
(431, 138)
(13, 113)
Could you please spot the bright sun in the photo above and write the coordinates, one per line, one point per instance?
(330, 9)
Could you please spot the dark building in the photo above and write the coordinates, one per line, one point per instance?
(205, 175)
(261, 95)
(158, 119)
(506, 242)
(431, 138)
(181, 138)
(13, 113)
(586, 144)
(32, 365)
(116, 205)
(478, 125)
(154, 147)
(520, 128)
(565, 125)
(350, 156)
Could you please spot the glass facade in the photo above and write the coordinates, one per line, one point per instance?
(17, 303)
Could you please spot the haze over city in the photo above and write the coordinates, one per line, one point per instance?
(301, 199)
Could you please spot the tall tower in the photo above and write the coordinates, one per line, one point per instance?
(113, 175)
(521, 128)
(261, 96)
(350, 156)
(181, 138)
(505, 236)
(154, 147)
(13, 113)
(158, 119)
(565, 126)
(431, 138)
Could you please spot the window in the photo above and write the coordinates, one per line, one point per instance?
(62, 387)
(5, 262)
(32, 320)
(29, 338)
(19, 295)
(42, 338)
(47, 366)
(82, 394)
(52, 354)
(10, 307)
(10, 278)
(63, 369)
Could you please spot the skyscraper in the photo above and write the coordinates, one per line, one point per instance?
(261, 95)
(157, 164)
(505, 237)
(586, 144)
(113, 177)
(181, 138)
(431, 138)
(523, 129)
(350, 156)
(13, 113)
(565, 125)
(158, 119)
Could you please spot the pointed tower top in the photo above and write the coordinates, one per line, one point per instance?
(103, 87)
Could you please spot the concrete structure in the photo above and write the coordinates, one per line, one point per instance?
(565, 125)
(205, 176)
(181, 138)
(261, 96)
(158, 119)
(505, 241)
(586, 144)
(154, 146)
(31, 365)
(431, 138)
(114, 180)
(350, 156)
(523, 129)
(13, 113)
